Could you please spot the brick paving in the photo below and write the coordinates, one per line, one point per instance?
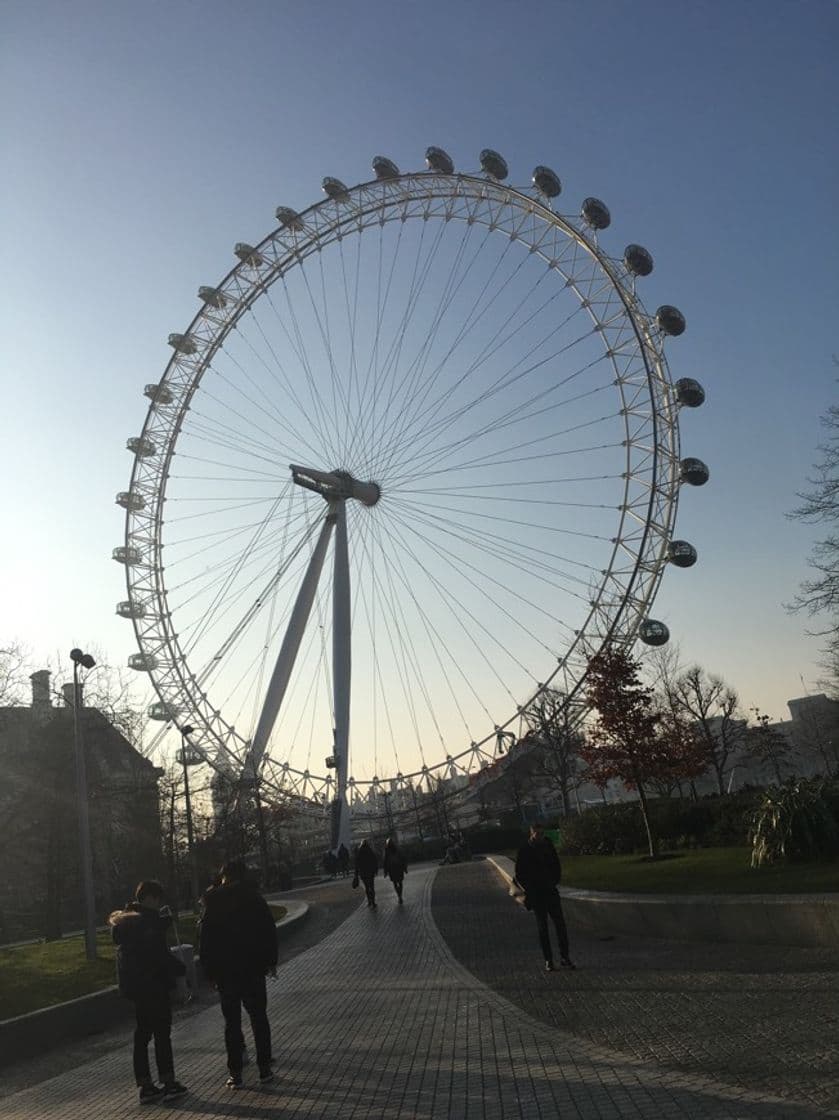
(380, 1020)
(762, 1017)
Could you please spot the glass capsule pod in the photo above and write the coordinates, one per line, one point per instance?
(694, 472)
(127, 554)
(494, 165)
(213, 297)
(653, 632)
(689, 392)
(142, 662)
(385, 168)
(638, 260)
(595, 213)
(438, 160)
(182, 343)
(288, 218)
(670, 320)
(141, 447)
(247, 254)
(127, 609)
(546, 181)
(682, 554)
(130, 500)
(158, 393)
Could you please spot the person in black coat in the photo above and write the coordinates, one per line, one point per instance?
(394, 866)
(237, 948)
(146, 973)
(538, 872)
(366, 867)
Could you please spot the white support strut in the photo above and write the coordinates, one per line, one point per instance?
(342, 668)
(291, 642)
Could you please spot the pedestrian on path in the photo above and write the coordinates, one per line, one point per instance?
(394, 866)
(343, 860)
(146, 973)
(238, 947)
(366, 867)
(538, 872)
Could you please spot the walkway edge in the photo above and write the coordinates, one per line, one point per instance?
(36, 1031)
(806, 920)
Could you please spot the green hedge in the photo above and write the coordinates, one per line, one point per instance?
(619, 828)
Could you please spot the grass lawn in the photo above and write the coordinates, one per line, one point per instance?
(705, 871)
(49, 972)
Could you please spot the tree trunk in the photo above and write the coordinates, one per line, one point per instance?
(645, 813)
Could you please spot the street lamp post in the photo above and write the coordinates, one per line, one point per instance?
(186, 760)
(85, 855)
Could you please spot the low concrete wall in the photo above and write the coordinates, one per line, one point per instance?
(38, 1031)
(808, 920)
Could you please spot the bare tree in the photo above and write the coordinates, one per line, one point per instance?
(714, 706)
(769, 746)
(819, 595)
(558, 743)
(13, 674)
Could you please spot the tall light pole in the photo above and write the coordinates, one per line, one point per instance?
(85, 855)
(187, 760)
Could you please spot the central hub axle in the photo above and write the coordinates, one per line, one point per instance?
(336, 485)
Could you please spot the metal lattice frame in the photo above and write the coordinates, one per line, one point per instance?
(649, 407)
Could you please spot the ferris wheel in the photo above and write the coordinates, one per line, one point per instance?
(414, 459)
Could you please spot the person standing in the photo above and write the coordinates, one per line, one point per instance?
(146, 972)
(366, 867)
(394, 866)
(237, 948)
(538, 872)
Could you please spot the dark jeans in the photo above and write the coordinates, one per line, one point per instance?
(544, 904)
(369, 888)
(247, 991)
(154, 1020)
(397, 885)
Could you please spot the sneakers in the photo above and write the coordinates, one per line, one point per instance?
(266, 1074)
(173, 1089)
(234, 1081)
(549, 966)
(566, 962)
(150, 1094)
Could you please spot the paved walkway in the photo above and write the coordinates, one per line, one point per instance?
(380, 1020)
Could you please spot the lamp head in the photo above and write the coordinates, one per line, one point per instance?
(87, 661)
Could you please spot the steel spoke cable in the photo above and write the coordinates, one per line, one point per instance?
(453, 603)
(415, 385)
(529, 525)
(436, 643)
(500, 548)
(455, 561)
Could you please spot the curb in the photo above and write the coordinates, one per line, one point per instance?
(809, 921)
(35, 1032)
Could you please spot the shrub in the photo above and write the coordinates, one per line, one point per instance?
(795, 821)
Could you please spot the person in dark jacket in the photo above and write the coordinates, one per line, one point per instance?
(366, 867)
(238, 947)
(394, 866)
(146, 972)
(538, 872)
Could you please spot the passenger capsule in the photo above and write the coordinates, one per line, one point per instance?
(595, 213)
(127, 609)
(493, 164)
(682, 554)
(653, 632)
(288, 218)
(158, 394)
(247, 254)
(128, 499)
(693, 472)
(163, 712)
(335, 189)
(142, 448)
(127, 554)
(438, 160)
(638, 260)
(183, 343)
(670, 320)
(385, 168)
(689, 392)
(142, 662)
(213, 297)
(546, 181)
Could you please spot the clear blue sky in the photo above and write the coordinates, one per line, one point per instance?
(141, 142)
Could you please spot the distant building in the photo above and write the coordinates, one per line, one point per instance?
(40, 883)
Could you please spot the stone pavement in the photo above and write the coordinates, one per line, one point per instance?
(380, 1020)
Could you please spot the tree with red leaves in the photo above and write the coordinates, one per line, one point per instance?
(627, 741)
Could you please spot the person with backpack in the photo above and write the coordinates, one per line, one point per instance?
(238, 948)
(146, 974)
(394, 866)
(538, 872)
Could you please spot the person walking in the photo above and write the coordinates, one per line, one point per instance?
(538, 872)
(343, 860)
(146, 972)
(366, 867)
(238, 947)
(394, 866)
